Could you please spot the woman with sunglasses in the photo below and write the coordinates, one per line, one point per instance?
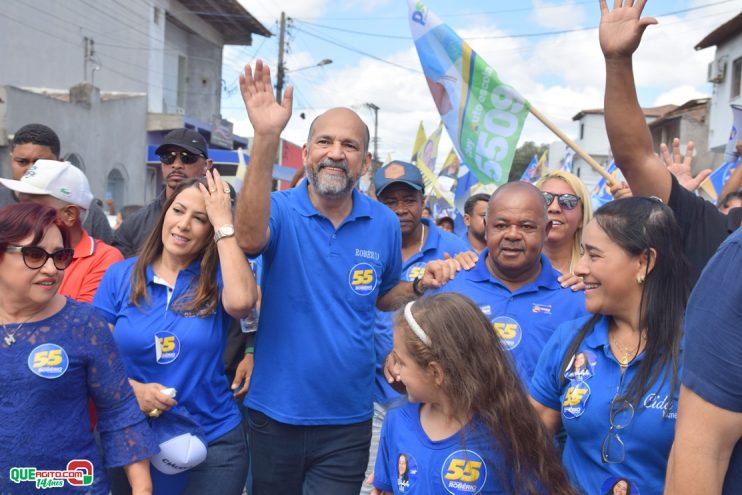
(570, 210)
(54, 354)
(171, 308)
(620, 417)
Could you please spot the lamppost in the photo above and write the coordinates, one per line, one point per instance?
(375, 109)
(282, 70)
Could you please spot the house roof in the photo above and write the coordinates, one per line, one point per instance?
(695, 109)
(228, 17)
(723, 33)
(648, 112)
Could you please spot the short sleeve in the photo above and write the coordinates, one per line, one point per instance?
(546, 385)
(712, 365)
(382, 480)
(125, 433)
(108, 297)
(393, 268)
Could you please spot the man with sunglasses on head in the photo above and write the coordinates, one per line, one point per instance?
(183, 154)
(64, 187)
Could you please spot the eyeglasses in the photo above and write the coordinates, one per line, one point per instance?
(168, 157)
(613, 450)
(35, 257)
(566, 201)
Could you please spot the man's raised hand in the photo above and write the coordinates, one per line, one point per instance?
(266, 115)
(621, 29)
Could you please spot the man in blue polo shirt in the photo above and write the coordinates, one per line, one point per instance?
(331, 256)
(513, 282)
(399, 185)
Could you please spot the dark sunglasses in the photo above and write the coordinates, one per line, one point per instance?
(168, 157)
(35, 257)
(566, 201)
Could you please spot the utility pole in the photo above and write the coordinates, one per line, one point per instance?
(376, 130)
(281, 69)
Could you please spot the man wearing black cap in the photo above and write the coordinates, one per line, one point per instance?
(183, 154)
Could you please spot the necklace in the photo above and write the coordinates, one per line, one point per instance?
(422, 238)
(628, 353)
(10, 335)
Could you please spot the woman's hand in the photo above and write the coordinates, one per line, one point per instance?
(217, 199)
(150, 397)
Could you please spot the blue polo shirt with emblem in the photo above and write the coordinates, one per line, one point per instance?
(584, 398)
(158, 344)
(438, 243)
(314, 351)
(526, 318)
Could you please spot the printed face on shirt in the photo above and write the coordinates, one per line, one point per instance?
(24, 155)
(406, 203)
(418, 381)
(37, 286)
(610, 274)
(516, 230)
(564, 223)
(335, 156)
(186, 228)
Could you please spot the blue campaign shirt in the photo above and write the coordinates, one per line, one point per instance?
(314, 350)
(162, 346)
(526, 318)
(456, 465)
(583, 400)
(712, 367)
(438, 243)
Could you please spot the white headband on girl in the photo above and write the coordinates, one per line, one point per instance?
(414, 326)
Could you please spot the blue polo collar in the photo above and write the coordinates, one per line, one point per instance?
(193, 270)
(598, 338)
(303, 205)
(434, 236)
(547, 277)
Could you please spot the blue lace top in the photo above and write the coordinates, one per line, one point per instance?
(46, 377)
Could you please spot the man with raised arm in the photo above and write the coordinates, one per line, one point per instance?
(704, 227)
(331, 256)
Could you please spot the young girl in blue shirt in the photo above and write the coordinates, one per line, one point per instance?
(468, 427)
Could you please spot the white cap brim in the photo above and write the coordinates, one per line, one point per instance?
(24, 187)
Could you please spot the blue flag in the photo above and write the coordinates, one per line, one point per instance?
(601, 194)
(463, 190)
(715, 182)
(567, 162)
(531, 173)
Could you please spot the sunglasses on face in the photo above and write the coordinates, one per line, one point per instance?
(35, 257)
(168, 157)
(566, 201)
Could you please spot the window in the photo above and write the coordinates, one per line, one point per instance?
(736, 78)
(156, 16)
(582, 130)
(182, 79)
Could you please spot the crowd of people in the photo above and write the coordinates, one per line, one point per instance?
(321, 341)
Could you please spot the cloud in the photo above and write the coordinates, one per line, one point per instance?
(558, 16)
(679, 95)
(268, 11)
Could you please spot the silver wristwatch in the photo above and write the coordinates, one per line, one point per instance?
(224, 231)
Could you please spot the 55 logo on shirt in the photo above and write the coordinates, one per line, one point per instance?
(464, 471)
(363, 279)
(167, 347)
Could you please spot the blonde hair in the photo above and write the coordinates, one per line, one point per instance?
(587, 208)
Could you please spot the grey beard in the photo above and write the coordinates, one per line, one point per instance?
(333, 186)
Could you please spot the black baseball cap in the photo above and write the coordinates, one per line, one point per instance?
(188, 139)
(397, 171)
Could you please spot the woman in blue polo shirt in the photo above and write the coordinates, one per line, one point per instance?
(171, 309)
(618, 402)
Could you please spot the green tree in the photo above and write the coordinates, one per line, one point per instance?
(523, 156)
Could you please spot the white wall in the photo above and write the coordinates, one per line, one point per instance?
(720, 114)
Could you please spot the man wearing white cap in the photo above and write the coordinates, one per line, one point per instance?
(63, 186)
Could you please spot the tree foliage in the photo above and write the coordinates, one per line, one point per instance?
(523, 156)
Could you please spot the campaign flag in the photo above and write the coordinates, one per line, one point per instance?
(714, 183)
(419, 142)
(601, 192)
(567, 161)
(730, 152)
(483, 116)
(531, 171)
(463, 190)
(451, 165)
(428, 154)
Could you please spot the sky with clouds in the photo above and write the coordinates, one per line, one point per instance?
(547, 50)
